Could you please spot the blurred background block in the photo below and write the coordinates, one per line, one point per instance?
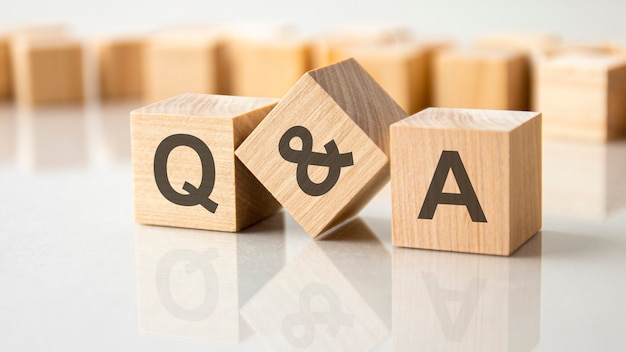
(184, 60)
(48, 70)
(5, 68)
(582, 96)
(267, 67)
(479, 79)
(120, 67)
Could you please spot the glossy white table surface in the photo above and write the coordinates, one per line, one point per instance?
(76, 272)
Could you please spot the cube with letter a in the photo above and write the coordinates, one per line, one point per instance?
(322, 152)
(185, 173)
(466, 180)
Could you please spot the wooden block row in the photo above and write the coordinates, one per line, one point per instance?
(324, 150)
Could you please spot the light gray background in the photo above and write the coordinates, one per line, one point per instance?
(574, 20)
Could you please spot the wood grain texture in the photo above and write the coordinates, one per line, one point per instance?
(340, 103)
(267, 67)
(48, 70)
(221, 122)
(593, 87)
(482, 80)
(501, 153)
(183, 63)
(120, 67)
(5, 68)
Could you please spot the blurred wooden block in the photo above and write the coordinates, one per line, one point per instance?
(324, 50)
(482, 80)
(5, 68)
(582, 96)
(526, 41)
(325, 145)
(267, 67)
(536, 46)
(400, 69)
(183, 62)
(48, 70)
(120, 67)
(467, 302)
(492, 205)
(200, 185)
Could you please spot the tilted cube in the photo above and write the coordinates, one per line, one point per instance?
(185, 172)
(322, 152)
(466, 180)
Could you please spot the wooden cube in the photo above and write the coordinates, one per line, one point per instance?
(48, 70)
(201, 185)
(462, 302)
(120, 67)
(325, 145)
(482, 80)
(582, 96)
(492, 202)
(183, 62)
(5, 68)
(192, 283)
(322, 300)
(401, 69)
(266, 67)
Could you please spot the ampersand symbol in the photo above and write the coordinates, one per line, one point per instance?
(197, 195)
(305, 157)
(334, 318)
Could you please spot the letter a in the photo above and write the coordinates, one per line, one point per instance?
(450, 160)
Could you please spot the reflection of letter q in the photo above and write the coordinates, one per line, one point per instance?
(194, 261)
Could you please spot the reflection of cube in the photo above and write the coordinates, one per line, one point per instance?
(48, 70)
(582, 96)
(120, 67)
(461, 302)
(187, 283)
(491, 205)
(267, 68)
(183, 63)
(192, 283)
(185, 171)
(482, 80)
(324, 145)
(5, 68)
(584, 180)
(318, 302)
(401, 69)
